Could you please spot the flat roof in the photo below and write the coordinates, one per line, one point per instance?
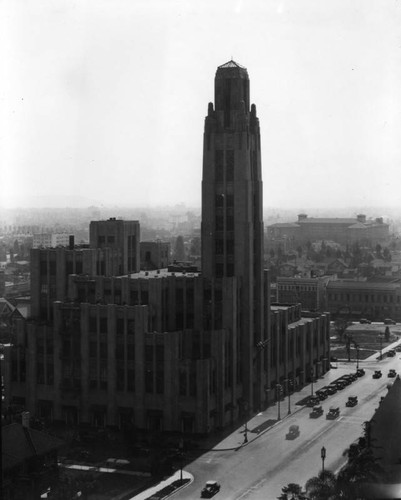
(163, 273)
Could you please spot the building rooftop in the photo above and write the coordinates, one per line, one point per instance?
(231, 64)
(163, 273)
(22, 443)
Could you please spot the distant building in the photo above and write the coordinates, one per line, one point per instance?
(118, 234)
(309, 292)
(50, 240)
(341, 230)
(367, 299)
(154, 255)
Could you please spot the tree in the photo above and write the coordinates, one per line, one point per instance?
(340, 326)
(196, 246)
(361, 468)
(387, 255)
(292, 491)
(387, 334)
(322, 487)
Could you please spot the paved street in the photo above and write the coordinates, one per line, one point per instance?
(268, 461)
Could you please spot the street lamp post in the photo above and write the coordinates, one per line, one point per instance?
(246, 432)
(323, 456)
(279, 389)
(246, 423)
(381, 346)
(357, 357)
(181, 448)
(289, 395)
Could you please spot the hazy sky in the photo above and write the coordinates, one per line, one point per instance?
(104, 100)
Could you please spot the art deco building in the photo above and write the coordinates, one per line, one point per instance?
(172, 350)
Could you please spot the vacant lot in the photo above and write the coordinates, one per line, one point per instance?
(369, 338)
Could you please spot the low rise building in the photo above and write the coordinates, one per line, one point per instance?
(374, 300)
(309, 292)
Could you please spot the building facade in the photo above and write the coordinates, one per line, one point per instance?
(364, 299)
(50, 240)
(170, 350)
(121, 235)
(154, 255)
(309, 292)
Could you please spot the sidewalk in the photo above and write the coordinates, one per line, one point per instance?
(144, 495)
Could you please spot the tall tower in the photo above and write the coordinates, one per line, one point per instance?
(232, 208)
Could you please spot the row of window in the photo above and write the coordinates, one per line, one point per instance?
(364, 297)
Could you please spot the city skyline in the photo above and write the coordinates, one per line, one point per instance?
(104, 102)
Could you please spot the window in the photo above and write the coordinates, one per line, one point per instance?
(219, 247)
(229, 165)
(219, 223)
(219, 165)
(230, 222)
(219, 200)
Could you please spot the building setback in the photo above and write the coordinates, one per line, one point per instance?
(179, 350)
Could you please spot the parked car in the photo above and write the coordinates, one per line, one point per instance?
(391, 353)
(392, 373)
(346, 380)
(316, 412)
(293, 432)
(322, 393)
(313, 401)
(210, 489)
(340, 384)
(389, 321)
(360, 372)
(364, 321)
(333, 413)
(377, 374)
(331, 389)
(352, 401)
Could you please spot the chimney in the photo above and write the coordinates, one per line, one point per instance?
(361, 218)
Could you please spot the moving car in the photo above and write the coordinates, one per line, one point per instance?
(333, 413)
(210, 489)
(389, 321)
(364, 321)
(316, 412)
(392, 373)
(391, 353)
(377, 374)
(352, 401)
(360, 372)
(293, 432)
